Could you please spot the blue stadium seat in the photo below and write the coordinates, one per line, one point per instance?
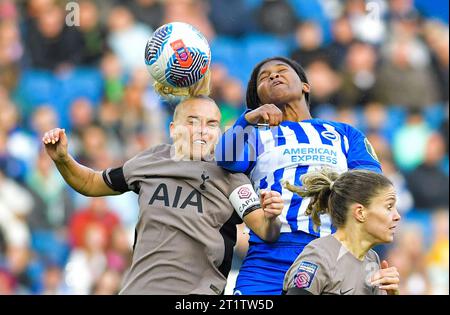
(50, 247)
(224, 50)
(434, 115)
(82, 82)
(312, 10)
(253, 4)
(35, 87)
(423, 218)
(257, 47)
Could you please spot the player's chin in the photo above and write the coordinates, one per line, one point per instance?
(389, 237)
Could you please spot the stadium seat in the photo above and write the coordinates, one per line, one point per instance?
(36, 87)
(82, 82)
(50, 247)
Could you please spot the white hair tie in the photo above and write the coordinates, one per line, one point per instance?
(331, 185)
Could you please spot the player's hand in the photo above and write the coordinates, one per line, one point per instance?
(272, 204)
(267, 113)
(387, 278)
(203, 86)
(55, 142)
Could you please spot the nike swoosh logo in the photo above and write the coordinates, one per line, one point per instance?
(344, 292)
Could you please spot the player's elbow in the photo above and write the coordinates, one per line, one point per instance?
(271, 232)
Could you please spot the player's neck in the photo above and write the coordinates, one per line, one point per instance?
(354, 241)
(296, 111)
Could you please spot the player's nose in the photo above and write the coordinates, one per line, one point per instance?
(274, 76)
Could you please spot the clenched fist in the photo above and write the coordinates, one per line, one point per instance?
(267, 113)
(55, 142)
(272, 204)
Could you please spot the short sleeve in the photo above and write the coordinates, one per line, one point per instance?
(243, 197)
(308, 274)
(361, 154)
(127, 177)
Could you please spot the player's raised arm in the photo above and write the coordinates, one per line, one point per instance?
(264, 221)
(81, 178)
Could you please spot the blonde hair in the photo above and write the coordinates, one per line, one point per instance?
(333, 194)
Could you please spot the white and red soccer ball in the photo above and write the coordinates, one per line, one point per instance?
(177, 55)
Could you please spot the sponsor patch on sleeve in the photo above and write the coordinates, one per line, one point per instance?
(370, 150)
(243, 198)
(305, 274)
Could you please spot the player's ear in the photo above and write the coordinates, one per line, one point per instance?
(359, 212)
(306, 87)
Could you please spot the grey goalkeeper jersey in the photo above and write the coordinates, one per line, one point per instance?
(186, 228)
(327, 267)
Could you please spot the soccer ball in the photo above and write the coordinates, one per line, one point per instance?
(177, 55)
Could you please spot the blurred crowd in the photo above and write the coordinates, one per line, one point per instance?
(380, 65)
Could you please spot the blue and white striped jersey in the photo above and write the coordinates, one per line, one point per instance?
(270, 156)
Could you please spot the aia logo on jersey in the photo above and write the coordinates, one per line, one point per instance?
(244, 193)
(330, 135)
(163, 196)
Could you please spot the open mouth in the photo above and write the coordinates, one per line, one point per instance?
(202, 142)
(276, 83)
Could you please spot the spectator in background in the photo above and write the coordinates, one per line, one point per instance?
(404, 68)
(52, 281)
(11, 51)
(45, 181)
(108, 283)
(87, 262)
(219, 74)
(149, 12)
(232, 103)
(119, 252)
(11, 166)
(366, 27)
(15, 205)
(96, 213)
(194, 12)
(82, 116)
(127, 38)
(428, 183)
(51, 44)
(309, 41)
(401, 9)
(231, 17)
(112, 72)
(408, 256)
(405, 200)
(342, 39)
(18, 143)
(326, 84)
(276, 17)
(94, 34)
(95, 146)
(436, 36)
(409, 141)
(358, 75)
(7, 282)
(437, 257)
